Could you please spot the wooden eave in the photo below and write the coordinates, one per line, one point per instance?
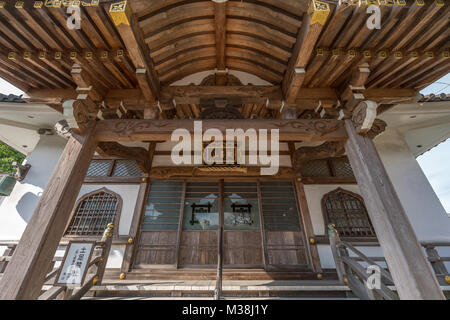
(276, 40)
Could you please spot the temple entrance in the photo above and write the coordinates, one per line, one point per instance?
(260, 222)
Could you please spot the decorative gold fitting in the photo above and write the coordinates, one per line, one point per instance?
(95, 280)
(2, 259)
(438, 258)
(110, 226)
(299, 179)
(319, 276)
(123, 276)
(346, 281)
(447, 279)
(312, 240)
(144, 179)
(130, 240)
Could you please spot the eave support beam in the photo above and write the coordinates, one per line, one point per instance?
(129, 30)
(221, 23)
(312, 25)
(161, 130)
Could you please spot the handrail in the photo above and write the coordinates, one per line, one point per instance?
(99, 262)
(218, 290)
(353, 274)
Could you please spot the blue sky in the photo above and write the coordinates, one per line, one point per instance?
(436, 170)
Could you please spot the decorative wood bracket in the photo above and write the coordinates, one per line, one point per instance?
(364, 116)
(327, 150)
(365, 121)
(142, 157)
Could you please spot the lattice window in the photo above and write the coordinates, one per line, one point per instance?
(348, 213)
(93, 214)
(317, 168)
(342, 168)
(126, 168)
(333, 167)
(114, 168)
(99, 168)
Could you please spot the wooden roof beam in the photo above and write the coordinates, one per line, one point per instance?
(308, 35)
(161, 130)
(133, 99)
(220, 26)
(130, 32)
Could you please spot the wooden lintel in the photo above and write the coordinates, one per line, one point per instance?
(161, 130)
(234, 94)
(308, 98)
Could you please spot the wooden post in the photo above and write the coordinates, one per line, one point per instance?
(411, 272)
(305, 215)
(139, 210)
(25, 274)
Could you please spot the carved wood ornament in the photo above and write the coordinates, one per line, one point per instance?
(366, 123)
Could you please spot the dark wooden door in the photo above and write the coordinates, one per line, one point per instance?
(260, 223)
(285, 246)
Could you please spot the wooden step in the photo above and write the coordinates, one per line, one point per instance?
(231, 289)
(202, 274)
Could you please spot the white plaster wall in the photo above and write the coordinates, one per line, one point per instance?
(423, 208)
(128, 193)
(17, 209)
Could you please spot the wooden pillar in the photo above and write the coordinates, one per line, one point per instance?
(311, 245)
(32, 259)
(411, 272)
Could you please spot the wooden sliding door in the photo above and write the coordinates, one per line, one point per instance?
(260, 222)
(199, 235)
(242, 245)
(158, 239)
(284, 237)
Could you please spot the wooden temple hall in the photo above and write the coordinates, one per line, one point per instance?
(134, 71)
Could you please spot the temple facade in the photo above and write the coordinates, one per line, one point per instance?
(268, 145)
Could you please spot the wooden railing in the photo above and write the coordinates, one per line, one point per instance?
(352, 273)
(351, 266)
(218, 290)
(4, 260)
(96, 269)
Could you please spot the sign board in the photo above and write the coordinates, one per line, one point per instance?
(75, 263)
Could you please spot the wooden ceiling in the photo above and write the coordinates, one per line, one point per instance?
(305, 56)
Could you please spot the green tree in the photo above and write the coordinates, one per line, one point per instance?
(9, 155)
